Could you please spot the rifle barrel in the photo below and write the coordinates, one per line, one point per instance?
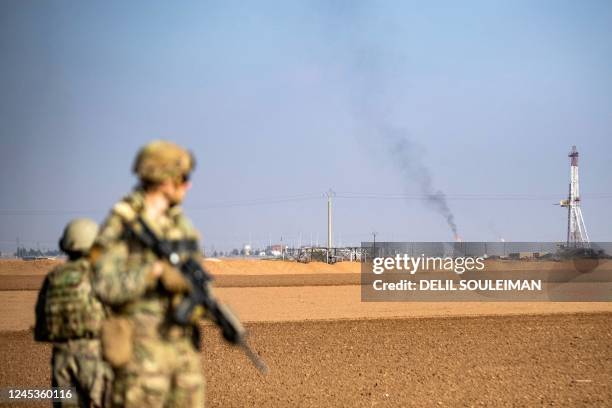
(254, 357)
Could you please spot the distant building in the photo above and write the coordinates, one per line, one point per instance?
(274, 250)
(526, 255)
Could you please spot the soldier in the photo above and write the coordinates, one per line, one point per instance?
(155, 360)
(69, 315)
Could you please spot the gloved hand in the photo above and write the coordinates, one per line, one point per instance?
(173, 280)
(153, 273)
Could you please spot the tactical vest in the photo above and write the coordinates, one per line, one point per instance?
(174, 229)
(68, 308)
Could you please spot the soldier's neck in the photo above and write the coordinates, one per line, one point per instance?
(155, 204)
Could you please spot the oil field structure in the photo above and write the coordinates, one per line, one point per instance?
(577, 235)
(328, 254)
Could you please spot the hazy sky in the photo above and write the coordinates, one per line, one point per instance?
(281, 101)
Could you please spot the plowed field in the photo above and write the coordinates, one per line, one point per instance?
(327, 348)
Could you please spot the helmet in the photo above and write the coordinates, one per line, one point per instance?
(79, 235)
(159, 161)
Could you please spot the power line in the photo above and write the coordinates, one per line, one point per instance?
(316, 196)
(471, 197)
(258, 201)
(40, 211)
(220, 204)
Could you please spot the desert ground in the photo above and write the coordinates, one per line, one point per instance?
(327, 348)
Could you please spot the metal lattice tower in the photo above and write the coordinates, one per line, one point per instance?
(576, 230)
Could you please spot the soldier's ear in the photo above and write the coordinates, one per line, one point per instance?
(94, 254)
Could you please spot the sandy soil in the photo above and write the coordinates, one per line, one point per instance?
(223, 266)
(215, 266)
(278, 304)
(19, 267)
(33, 282)
(327, 348)
(559, 360)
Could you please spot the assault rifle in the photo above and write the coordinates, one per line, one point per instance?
(199, 278)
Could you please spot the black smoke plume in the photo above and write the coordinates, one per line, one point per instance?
(408, 158)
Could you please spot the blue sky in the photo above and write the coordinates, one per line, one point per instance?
(281, 101)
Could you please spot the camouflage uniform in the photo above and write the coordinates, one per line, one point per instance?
(69, 315)
(163, 368)
(79, 364)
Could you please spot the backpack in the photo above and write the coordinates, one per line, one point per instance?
(67, 307)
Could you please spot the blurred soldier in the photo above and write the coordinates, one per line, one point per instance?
(155, 360)
(69, 315)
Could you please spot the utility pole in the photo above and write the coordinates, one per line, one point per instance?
(374, 246)
(329, 194)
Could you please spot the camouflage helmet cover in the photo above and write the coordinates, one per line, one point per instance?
(160, 160)
(79, 235)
